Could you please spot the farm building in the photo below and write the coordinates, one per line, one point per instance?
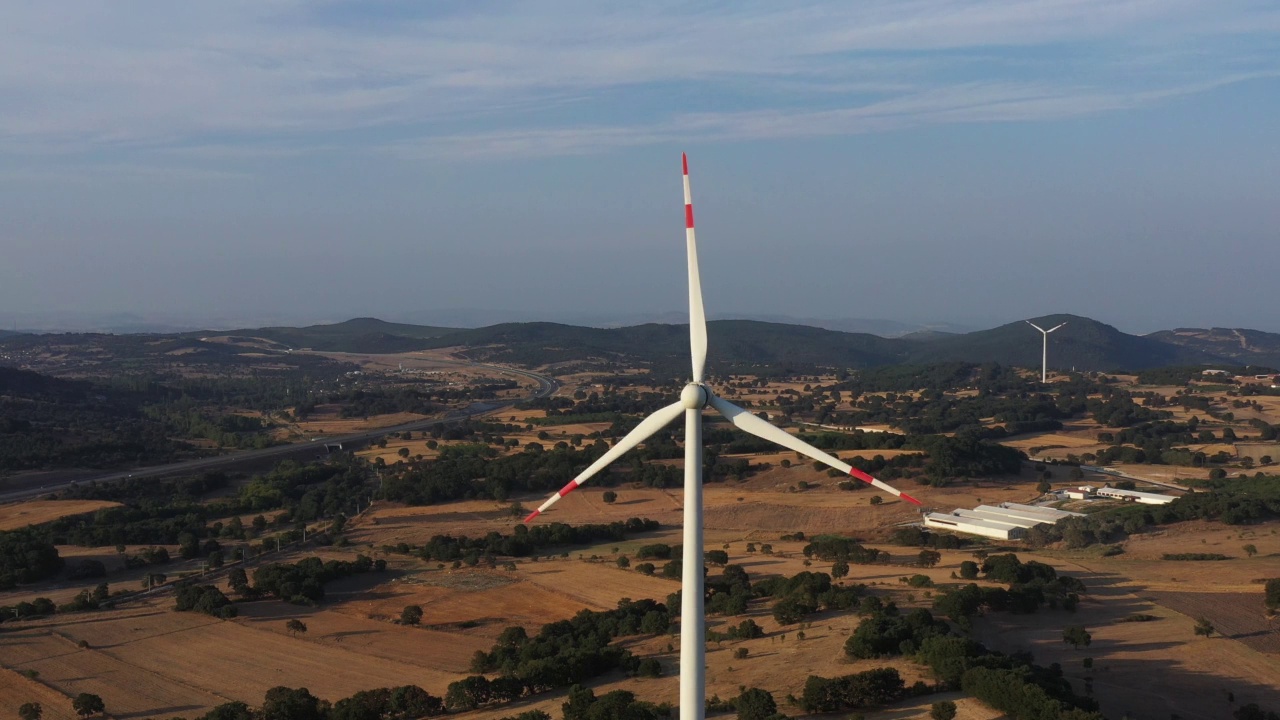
(1007, 520)
(973, 526)
(1053, 514)
(1026, 512)
(1134, 496)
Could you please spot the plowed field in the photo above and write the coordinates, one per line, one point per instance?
(1234, 615)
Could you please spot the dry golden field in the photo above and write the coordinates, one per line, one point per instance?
(35, 512)
(328, 420)
(17, 689)
(148, 661)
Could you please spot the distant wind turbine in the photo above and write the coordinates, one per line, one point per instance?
(1044, 354)
(693, 398)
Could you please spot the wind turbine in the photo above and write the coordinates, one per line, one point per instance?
(1044, 354)
(693, 398)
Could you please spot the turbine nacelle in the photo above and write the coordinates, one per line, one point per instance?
(694, 396)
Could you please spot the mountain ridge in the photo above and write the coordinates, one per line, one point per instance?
(1083, 343)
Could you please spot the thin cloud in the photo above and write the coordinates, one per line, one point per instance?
(565, 79)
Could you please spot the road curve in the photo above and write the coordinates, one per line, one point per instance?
(546, 386)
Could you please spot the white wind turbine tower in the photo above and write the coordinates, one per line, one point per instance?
(1044, 353)
(693, 398)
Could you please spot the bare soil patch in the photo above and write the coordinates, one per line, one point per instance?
(1238, 616)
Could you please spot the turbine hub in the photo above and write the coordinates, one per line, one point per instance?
(693, 396)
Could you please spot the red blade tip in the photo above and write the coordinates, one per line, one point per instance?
(533, 515)
(855, 472)
(684, 160)
(910, 499)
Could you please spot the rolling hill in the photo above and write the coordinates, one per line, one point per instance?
(1241, 346)
(365, 335)
(1084, 344)
(735, 342)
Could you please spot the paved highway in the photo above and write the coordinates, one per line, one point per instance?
(546, 386)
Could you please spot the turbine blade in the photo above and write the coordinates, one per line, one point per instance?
(642, 432)
(697, 318)
(754, 425)
(1054, 328)
(1033, 325)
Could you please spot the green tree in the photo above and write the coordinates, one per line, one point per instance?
(609, 496)
(839, 569)
(876, 500)
(1272, 597)
(469, 693)
(283, 703)
(968, 569)
(929, 558)
(86, 704)
(1077, 637)
(944, 710)
(1204, 627)
(1043, 487)
(30, 711)
(411, 615)
(1250, 550)
(755, 704)
(296, 626)
(238, 580)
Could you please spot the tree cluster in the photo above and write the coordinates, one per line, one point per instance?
(561, 654)
(528, 540)
(867, 689)
(303, 582)
(1031, 586)
(206, 599)
(27, 555)
(887, 632)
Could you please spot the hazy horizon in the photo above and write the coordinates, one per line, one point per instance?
(463, 318)
(969, 163)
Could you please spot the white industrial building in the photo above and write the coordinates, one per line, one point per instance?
(971, 526)
(1053, 514)
(1009, 521)
(1145, 498)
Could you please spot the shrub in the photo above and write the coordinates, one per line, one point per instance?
(945, 710)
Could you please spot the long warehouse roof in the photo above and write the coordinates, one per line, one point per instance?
(972, 526)
(1052, 512)
(1006, 520)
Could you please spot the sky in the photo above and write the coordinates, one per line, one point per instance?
(927, 161)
